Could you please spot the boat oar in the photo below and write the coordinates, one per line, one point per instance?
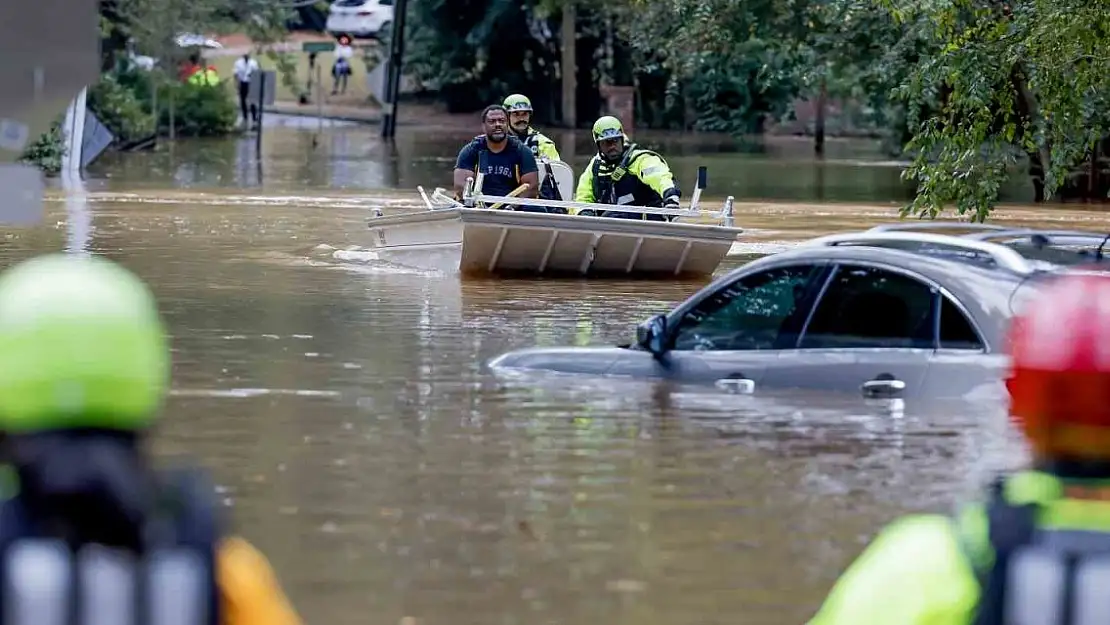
(515, 192)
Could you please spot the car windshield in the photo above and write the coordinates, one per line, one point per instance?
(350, 3)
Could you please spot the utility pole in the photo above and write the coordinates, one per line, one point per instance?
(394, 69)
(569, 67)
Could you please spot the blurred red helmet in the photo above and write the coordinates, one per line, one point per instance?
(1059, 380)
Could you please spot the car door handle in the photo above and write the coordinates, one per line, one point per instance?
(736, 384)
(883, 385)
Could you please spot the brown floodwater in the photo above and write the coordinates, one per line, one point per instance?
(346, 412)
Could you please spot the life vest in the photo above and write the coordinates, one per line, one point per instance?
(1041, 575)
(614, 186)
(549, 189)
(205, 76)
(531, 140)
(45, 582)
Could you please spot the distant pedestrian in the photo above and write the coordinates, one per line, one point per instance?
(341, 70)
(245, 68)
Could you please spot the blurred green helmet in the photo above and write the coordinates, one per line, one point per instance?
(608, 127)
(81, 346)
(517, 102)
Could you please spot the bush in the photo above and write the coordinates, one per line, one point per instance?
(120, 107)
(46, 152)
(199, 111)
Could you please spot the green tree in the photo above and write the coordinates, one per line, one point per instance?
(730, 65)
(1003, 84)
(858, 52)
(479, 51)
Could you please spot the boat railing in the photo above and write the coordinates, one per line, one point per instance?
(725, 214)
(474, 198)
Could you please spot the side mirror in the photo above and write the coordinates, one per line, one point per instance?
(651, 334)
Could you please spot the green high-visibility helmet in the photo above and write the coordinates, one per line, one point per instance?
(608, 127)
(81, 346)
(517, 102)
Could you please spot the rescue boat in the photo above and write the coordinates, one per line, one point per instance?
(484, 236)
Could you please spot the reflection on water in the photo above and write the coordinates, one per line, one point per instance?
(78, 214)
(248, 167)
(357, 437)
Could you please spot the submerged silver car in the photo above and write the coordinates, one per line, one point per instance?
(888, 312)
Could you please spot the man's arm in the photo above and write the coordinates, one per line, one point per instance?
(464, 168)
(529, 172)
(249, 589)
(654, 172)
(584, 192)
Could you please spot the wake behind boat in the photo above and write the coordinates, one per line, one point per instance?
(480, 236)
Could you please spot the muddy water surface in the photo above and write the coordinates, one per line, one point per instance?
(344, 407)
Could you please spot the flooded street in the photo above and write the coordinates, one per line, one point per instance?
(345, 409)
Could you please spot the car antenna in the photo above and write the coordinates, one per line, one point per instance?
(1098, 252)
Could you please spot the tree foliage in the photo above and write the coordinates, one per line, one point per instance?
(735, 63)
(973, 91)
(1025, 80)
(476, 52)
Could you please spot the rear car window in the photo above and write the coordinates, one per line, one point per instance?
(956, 330)
(871, 307)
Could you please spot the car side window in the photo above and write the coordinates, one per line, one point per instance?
(747, 314)
(872, 307)
(956, 331)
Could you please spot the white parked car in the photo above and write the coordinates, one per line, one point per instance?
(361, 18)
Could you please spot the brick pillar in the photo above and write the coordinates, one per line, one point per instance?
(620, 103)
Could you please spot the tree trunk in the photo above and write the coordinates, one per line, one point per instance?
(819, 121)
(1041, 160)
(569, 68)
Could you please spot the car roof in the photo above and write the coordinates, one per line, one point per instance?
(946, 271)
(983, 276)
(1005, 253)
(984, 268)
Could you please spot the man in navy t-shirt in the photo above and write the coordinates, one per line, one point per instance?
(506, 162)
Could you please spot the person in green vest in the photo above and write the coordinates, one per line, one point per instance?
(520, 122)
(543, 148)
(204, 77)
(1037, 548)
(624, 173)
(84, 370)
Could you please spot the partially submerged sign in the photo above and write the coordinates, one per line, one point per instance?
(95, 139)
(266, 80)
(51, 52)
